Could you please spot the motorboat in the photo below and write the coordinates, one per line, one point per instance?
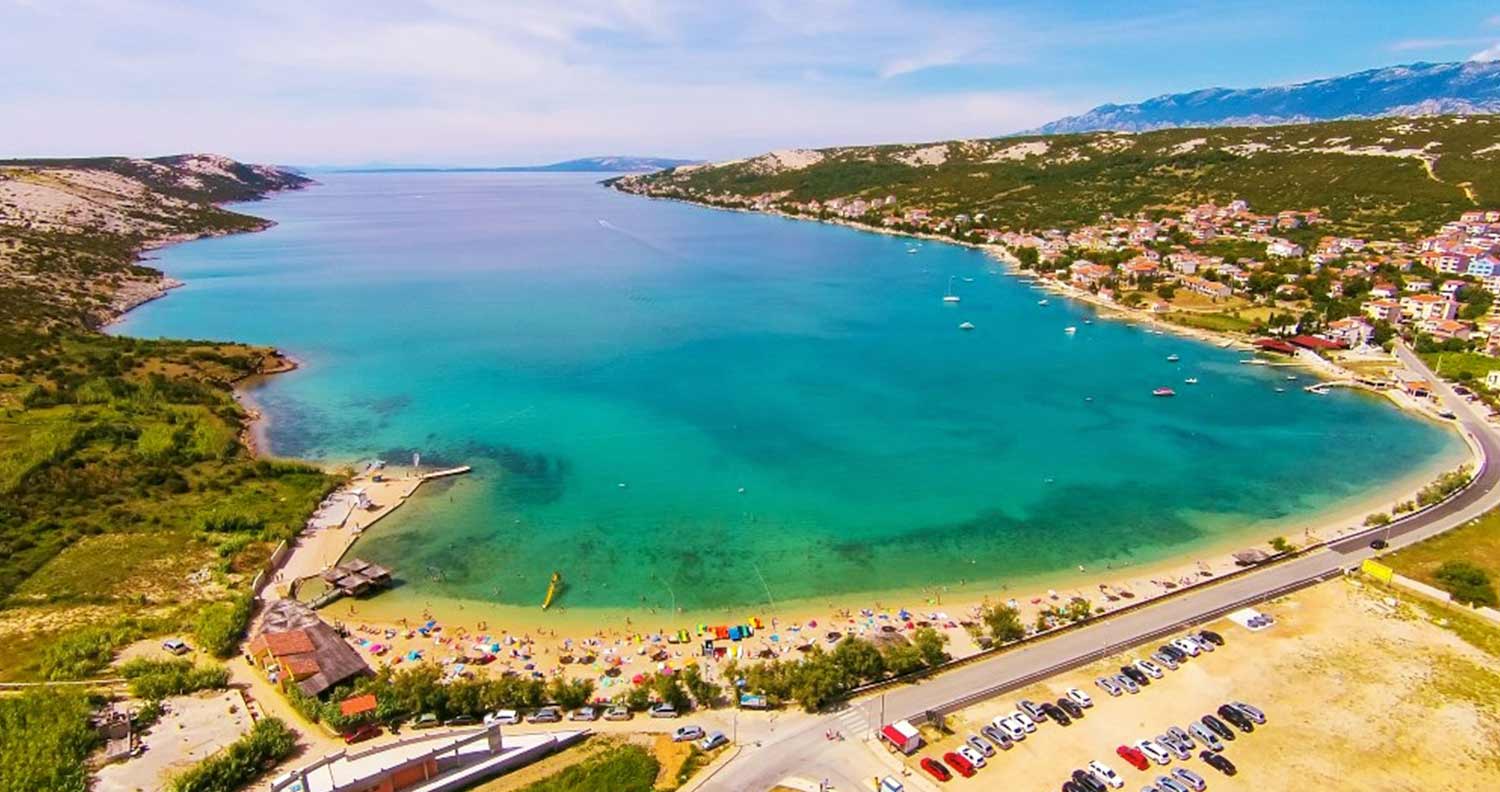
(1191, 381)
(1070, 329)
(1173, 358)
(1163, 392)
(966, 326)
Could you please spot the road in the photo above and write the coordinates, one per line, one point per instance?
(802, 751)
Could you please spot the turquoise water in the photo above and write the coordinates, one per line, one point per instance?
(790, 407)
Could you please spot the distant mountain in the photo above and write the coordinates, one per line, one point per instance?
(613, 164)
(1418, 89)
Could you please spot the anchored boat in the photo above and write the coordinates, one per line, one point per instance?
(552, 589)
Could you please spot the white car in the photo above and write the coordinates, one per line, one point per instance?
(1104, 773)
(1080, 698)
(1011, 728)
(1025, 720)
(1187, 646)
(506, 717)
(1149, 668)
(1153, 751)
(1206, 646)
(975, 758)
(1174, 747)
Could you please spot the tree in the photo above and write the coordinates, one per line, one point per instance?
(1004, 623)
(704, 692)
(570, 693)
(858, 661)
(1466, 582)
(817, 680)
(1378, 518)
(929, 643)
(668, 689)
(903, 658)
(1281, 545)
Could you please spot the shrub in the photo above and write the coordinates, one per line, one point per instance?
(1466, 582)
(85, 652)
(44, 738)
(220, 625)
(268, 742)
(1004, 623)
(158, 679)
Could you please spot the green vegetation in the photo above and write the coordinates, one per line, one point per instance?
(44, 739)
(820, 677)
(1445, 485)
(1068, 180)
(1004, 623)
(1217, 322)
(624, 768)
(1466, 367)
(155, 680)
(268, 742)
(1476, 544)
(1467, 583)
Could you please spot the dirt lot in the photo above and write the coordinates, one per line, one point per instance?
(193, 728)
(1359, 695)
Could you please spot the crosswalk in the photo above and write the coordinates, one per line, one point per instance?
(854, 722)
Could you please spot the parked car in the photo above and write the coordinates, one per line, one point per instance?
(1186, 647)
(686, 733)
(998, 737)
(545, 715)
(959, 764)
(1032, 709)
(1109, 685)
(584, 714)
(1151, 669)
(891, 784)
(663, 710)
(462, 720)
(1208, 738)
(1174, 652)
(1085, 779)
(1379, 544)
(1106, 774)
(980, 745)
(426, 720)
(1218, 762)
(1217, 727)
(1168, 784)
(1250, 712)
(1127, 683)
(1069, 786)
(618, 714)
(1189, 779)
(1056, 713)
(975, 757)
(1071, 707)
(506, 717)
(1182, 736)
(361, 734)
(1134, 756)
(713, 741)
(1212, 637)
(1080, 698)
(1174, 747)
(1135, 675)
(1203, 645)
(1026, 722)
(1236, 718)
(1153, 751)
(1012, 728)
(1165, 660)
(176, 646)
(935, 769)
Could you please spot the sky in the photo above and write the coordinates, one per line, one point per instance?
(470, 82)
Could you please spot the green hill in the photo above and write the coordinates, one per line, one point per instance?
(1379, 178)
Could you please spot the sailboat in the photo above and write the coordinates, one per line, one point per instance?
(966, 326)
(949, 296)
(1070, 329)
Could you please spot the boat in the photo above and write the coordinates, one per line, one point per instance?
(1041, 301)
(1088, 321)
(552, 589)
(1291, 377)
(1191, 381)
(911, 251)
(1173, 358)
(968, 279)
(966, 326)
(1163, 392)
(949, 296)
(1070, 329)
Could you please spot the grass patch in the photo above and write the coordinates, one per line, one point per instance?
(1477, 542)
(44, 739)
(625, 768)
(1218, 322)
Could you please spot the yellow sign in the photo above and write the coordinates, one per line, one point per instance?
(1377, 570)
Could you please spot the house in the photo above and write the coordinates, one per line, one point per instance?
(1418, 285)
(1383, 311)
(1384, 291)
(355, 577)
(1422, 307)
(1282, 248)
(294, 646)
(1450, 288)
(1351, 331)
(1206, 287)
(1138, 268)
(1444, 329)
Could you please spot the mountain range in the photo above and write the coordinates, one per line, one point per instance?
(1417, 89)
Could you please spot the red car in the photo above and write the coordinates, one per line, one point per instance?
(1134, 756)
(960, 764)
(361, 734)
(936, 769)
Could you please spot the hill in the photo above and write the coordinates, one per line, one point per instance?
(1386, 177)
(1418, 89)
(613, 164)
(130, 502)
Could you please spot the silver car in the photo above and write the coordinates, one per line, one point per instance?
(1109, 685)
(1172, 745)
(1166, 784)
(1189, 778)
(1208, 738)
(1182, 736)
(1250, 712)
(1127, 683)
(1164, 660)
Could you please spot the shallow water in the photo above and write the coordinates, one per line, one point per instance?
(679, 406)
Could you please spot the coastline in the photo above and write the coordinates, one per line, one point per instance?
(1176, 563)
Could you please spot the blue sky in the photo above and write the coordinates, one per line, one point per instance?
(475, 82)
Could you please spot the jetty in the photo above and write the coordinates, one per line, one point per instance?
(446, 472)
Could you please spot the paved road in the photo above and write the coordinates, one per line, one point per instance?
(803, 751)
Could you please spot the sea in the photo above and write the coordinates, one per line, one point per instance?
(685, 408)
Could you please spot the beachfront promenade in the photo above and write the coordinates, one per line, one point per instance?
(802, 751)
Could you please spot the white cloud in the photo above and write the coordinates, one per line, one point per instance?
(1489, 53)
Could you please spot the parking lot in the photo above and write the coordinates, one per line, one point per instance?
(1358, 695)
